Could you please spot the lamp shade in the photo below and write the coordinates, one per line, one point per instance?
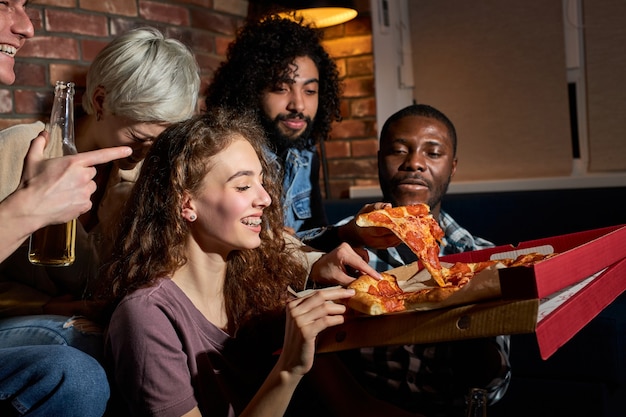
(321, 13)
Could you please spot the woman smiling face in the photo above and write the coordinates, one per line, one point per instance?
(229, 206)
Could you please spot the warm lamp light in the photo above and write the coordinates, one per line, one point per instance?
(320, 13)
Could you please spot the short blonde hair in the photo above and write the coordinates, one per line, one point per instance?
(146, 77)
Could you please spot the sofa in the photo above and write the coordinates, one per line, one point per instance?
(587, 376)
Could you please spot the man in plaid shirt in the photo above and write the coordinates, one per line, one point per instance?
(416, 161)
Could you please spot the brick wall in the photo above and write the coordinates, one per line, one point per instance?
(69, 33)
(351, 150)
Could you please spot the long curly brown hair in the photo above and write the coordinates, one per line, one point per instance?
(260, 58)
(151, 238)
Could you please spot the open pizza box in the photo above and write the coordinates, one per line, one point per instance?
(554, 298)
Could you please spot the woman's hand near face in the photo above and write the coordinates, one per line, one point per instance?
(342, 266)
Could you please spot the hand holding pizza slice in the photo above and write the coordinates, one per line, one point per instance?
(416, 227)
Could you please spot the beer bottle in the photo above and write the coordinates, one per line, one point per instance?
(477, 403)
(54, 245)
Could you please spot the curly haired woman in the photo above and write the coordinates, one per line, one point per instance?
(197, 269)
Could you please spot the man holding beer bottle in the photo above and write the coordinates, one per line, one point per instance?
(127, 101)
(57, 379)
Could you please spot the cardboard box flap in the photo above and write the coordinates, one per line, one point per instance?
(560, 244)
(574, 309)
(571, 265)
(465, 322)
(580, 255)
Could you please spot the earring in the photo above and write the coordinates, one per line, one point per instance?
(98, 116)
(192, 217)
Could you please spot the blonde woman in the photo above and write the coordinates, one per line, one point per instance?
(139, 84)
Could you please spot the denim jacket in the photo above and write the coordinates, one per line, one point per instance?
(302, 199)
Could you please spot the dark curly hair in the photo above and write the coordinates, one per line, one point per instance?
(260, 57)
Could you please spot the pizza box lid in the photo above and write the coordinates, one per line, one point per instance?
(554, 319)
(580, 255)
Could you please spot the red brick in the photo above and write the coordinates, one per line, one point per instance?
(91, 47)
(120, 7)
(221, 45)
(202, 41)
(358, 87)
(235, 7)
(337, 149)
(214, 22)
(340, 189)
(56, 3)
(364, 148)
(204, 3)
(33, 102)
(341, 67)
(365, 107)
(334, 32)
(197, 40)
(75, 73)
(31, 74)
(208, 63)
(349, 46)
(161, 12)
(119, 25)
(6, 101)
(348, 168)
(344, 108)
(54, 47)
(350, 129)
(363, 65)
(76, 23)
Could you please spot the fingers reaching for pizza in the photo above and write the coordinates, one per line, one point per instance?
(341, 265)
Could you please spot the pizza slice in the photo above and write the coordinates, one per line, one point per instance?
(526, 259)
(461, 272)
(416, 299)
(416, 227)
(383, 296)
(373, 296)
